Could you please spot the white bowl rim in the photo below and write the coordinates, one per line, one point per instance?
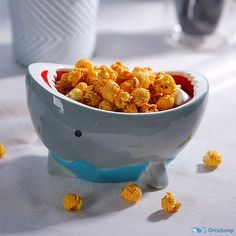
(199, 82)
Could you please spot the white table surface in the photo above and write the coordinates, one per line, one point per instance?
(31, 199)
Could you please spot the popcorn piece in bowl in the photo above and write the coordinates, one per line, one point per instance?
(131, 108)
(169, 203)
(165, 102)
(144, 75)
(92, 99)
(75, 94)
(130, 85)
(72, 202)
(110, 90)
(2, 150)
(148, 108)
(141, 96)
(131, 193)
(164, 83)
(122, 99)
(106, 105)
(86, 64)
(120, 68)
(212, 158)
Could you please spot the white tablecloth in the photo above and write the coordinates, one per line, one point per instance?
(31, 199)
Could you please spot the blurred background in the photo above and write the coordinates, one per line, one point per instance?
(134, 31)
(139, 33)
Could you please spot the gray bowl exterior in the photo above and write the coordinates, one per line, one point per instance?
(111, 139)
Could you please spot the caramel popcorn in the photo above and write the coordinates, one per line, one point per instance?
(122, 99)
(144, 75)
(75, 76)
(119, 67)
(212, 158)
(86, 64)
(2, 150)
(130, 85)
(64, 85)
(131, 108)
(115, 88)
(75, 94)
(107, 73)
(92, 99)
(72, 202)
(84, 87)
(164, 83)
(165, 102)
(131, 193)
(169, 204)
(106, 105)
(148, 108)
(141, 96)
(110, 90)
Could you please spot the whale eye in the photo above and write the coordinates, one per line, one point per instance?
(78, 133)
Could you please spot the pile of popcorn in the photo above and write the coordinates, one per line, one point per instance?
(115, 88)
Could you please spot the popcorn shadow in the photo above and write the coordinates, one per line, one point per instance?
(121, 46)
(31, 199)
(158, 216)
(201, 169)
(10, 68)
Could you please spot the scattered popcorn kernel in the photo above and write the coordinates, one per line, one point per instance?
(2, 150)
(72, 202)
(141, 96)
(165, 102)
(169, 204)
(110, 90)
(131, 193)
(130, 108)
(91, 98)
(84, 63)
(75, 94)
(106, 105)
(164, 83)
(148, 108)
(212, 158)
(122, 99)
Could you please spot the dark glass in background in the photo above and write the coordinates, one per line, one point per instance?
(199, 17)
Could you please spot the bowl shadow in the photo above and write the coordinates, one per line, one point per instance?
(31, 199)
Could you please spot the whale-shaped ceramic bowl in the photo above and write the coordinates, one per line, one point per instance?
(105, 146)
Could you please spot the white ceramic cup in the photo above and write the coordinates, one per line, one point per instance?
(59, 31)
